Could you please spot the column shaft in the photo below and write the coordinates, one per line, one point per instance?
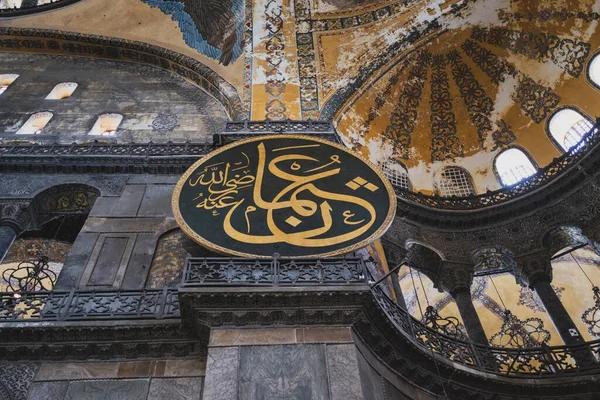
(557, 312)
(398, 291)
(8, 234)
(470, 318)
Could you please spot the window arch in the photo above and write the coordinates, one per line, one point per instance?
(62, 91)
(512, 166)
(106, 125)
(397, 174)
(594, 70)
(6, 80)
(567, 127)
(455, 181)
(36, 123)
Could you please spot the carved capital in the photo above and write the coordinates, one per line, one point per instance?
(493, 259)
(455, 278)
(564, 237)
(532, 268)
(425, 260)
(17, 215)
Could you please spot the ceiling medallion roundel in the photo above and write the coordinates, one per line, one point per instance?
(293, 195)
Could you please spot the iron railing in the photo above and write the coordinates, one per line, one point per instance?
(237, 130)
(538, 362)
(276, 271)
(77, 305)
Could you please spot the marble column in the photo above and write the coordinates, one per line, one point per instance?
(456, 279)
(535, 272)
(8, 234)
(14, 219)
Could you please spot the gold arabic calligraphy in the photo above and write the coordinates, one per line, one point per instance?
(224, 181)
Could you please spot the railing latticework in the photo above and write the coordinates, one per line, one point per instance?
(276, 271)
(89, 305)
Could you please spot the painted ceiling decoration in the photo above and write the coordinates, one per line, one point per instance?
(426, 83)
(213, 27)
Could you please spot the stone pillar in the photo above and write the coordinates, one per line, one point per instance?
(535, 272)
(456, 279)
(14, 219)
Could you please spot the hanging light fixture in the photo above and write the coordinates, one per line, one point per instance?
(591, 316)
(518, 333)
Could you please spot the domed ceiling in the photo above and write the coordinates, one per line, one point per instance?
(429, 83)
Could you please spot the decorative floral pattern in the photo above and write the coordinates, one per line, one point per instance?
(276, 109)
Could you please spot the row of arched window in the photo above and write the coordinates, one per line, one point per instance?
(567, 128)
(106, 124)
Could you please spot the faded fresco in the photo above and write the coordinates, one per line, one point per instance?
(213, 27)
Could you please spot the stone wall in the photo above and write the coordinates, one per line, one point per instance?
(155, 104)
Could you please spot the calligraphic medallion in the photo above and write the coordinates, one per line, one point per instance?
(288, 194)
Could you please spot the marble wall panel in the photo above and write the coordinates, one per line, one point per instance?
(342, 368)
(157, 201)
(126, 205)
(130, 389)
(283, 372)
(48, 390)
(175, 389)
(222, 374)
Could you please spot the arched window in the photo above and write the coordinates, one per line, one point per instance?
(36, 123)
(512, 166)
(594, 70)
(397, 174)
(6, 80)
(62, 91)
(106, 125)
(455, 181)
(568, 127)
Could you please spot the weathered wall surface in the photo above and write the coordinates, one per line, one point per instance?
(155, 104)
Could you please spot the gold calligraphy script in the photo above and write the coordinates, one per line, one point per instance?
(299, 195)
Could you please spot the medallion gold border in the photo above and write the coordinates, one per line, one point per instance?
(223, 250)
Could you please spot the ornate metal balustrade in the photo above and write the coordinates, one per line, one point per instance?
(538, 362)
(168, 158)
(543, 177)
(88, 305)
(276, 271)
(237, 130)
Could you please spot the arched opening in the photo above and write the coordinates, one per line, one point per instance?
(512, 166)
(567, 127)
(594, 70)
(455, 181)
(62, 91)
(6, 80)
(36, 123)
(397, 174)
(106, 125)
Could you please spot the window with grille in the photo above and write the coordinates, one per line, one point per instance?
(397, 175)
(455, 181)
(568, 127)
(36, 123)
(513, 166)
(6, 80)
(106, 125)
(62, 91)
(577, 132)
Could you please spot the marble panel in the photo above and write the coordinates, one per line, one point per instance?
(283, 372)
(221, 382)
(157, 201)
(195, 367)
(72, 371)
(137, 179)
(342, 368)
(324, 335)
(55, 390)
(126, 205)
(175, 389)
(371, 381)
(241, 337)
(130, 389)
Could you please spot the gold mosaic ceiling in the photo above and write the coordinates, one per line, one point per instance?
(429, 83)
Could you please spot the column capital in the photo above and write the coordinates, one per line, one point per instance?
(16, 214)
(563, 237)
(532, 268)
(455, 278)
(425, 260)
